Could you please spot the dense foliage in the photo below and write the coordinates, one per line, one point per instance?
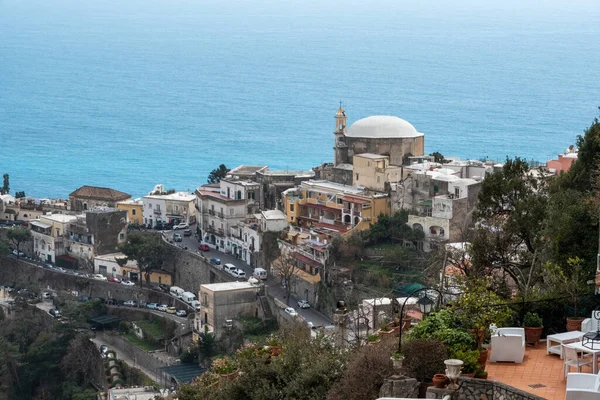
(39, 362)
(217, 174)
(148, 250)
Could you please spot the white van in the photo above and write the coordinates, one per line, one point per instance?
(195, 305)
(229, 268)
(260, 273)
(188, 297)
(176, 291)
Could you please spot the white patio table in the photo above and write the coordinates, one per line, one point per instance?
(561, 338)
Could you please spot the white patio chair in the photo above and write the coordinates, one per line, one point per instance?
(508, 344)
(572, 359)
(583, 387)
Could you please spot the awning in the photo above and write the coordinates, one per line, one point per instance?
(183, 373)
(40, 224)
(426, 203)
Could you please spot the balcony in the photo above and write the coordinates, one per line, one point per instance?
(211, 212)
(157, 211)
(220, 215)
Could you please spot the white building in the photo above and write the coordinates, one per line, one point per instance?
(172, 208)
(219, 208)
(49, 235)
(108, 265)
(246, 236)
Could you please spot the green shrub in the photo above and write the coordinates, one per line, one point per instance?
(532, 320)
(469, 357)
(424, 358)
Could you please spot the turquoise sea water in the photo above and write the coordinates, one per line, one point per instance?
(132, 93)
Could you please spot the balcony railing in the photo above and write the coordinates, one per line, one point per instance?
(220, 215)
(157, 211)
(211, 212)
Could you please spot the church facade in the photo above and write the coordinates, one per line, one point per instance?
(376, 135)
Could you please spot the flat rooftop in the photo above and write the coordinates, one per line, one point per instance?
(371, 156)
(227, 286)
(247, 169)
(332, 186)
(181, 196)
(295, 173)
(62, 218)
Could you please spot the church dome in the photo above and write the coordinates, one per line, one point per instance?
(382, 126)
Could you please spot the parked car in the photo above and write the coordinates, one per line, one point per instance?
(55, 313)
(130, 303)
(181, 313)
(164, 288)
(47, 295)
(187, 232)
(203, 247)
(99, 277)
(171, 310)
(229, 268)
(183, 225)
(60, 269)
(238, 273)
(303, 304)
(291, 311)
(215, 261)
(127, 282)
(48, 266)
(177, 237)
(152, 306)
(113, 279)
(162, 307)
(18, 253)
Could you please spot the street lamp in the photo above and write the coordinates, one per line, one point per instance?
(425, 305)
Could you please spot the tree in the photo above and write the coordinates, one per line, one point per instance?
(285, 266)
(19, 195)
(438, 157)
(148, 250)
(4, 248)
(207, 345)
(270, 247)
(569, 281)
(80, 361)
(19, 235)
(217, 174)
(6, 185)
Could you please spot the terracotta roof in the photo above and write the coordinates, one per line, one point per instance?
(95, 192)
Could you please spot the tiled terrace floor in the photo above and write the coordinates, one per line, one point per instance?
(537, 368)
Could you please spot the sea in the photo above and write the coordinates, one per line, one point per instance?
(132, 93)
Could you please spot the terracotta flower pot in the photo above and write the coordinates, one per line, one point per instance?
(275, 350)
(385, 333)
(439, 381)
(471, 375)
(574, 323)
(533, 335)
(406, 323)
(229, 377)
(483, 356)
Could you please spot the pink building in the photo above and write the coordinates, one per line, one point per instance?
(564, 161)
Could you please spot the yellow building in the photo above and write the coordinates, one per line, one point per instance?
(373, 171)
(134, 210)
(335, 207)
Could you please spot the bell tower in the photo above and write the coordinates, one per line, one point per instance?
(340, 147)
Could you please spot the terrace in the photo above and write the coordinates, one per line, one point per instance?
(539, 374)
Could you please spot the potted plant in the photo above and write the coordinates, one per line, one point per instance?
(470, 359)
(226, 368)
(385, 328)
(373, 339)
(397, 359)
(570, 281)
(275, 346)
(481, 374)
(533, 325)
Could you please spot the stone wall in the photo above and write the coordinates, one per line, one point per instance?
(399, 386)
(478, 389)
(190, 270)
(19, 273)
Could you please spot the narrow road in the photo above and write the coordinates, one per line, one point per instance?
(122, 356)
(274, 284)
